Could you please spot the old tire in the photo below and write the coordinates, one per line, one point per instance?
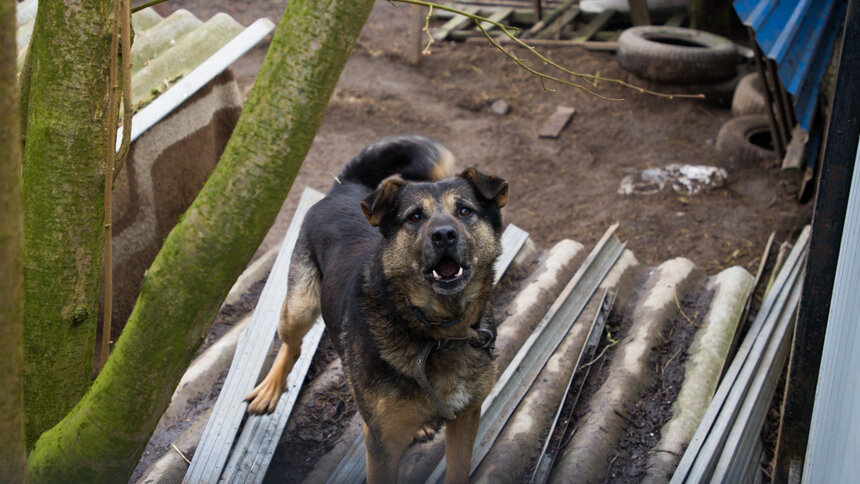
(749, 97)
(676, 54)
(745, 141)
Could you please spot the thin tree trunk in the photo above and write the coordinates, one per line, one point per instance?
(12, 444)
(63, 189)
(103, 437)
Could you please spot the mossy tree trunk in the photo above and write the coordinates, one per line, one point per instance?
(103, 437)
(12, 448)
(63, 178)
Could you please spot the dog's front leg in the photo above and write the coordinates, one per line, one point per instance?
(384, 446)
(459, 440)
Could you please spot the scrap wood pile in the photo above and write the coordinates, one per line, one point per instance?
(594, 351)
(560, 23)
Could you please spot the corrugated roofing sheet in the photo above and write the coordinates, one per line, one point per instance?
(799, 37)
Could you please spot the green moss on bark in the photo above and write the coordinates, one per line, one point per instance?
(63, 189)
(103, 437)
(12, 449)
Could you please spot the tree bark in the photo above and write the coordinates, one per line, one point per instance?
(12, 444)
(63, 194)
(103, 437)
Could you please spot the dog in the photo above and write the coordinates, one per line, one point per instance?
(398, 257)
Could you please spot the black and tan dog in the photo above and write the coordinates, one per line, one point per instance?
(399, 260)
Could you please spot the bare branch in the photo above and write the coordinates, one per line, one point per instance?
(511, 34)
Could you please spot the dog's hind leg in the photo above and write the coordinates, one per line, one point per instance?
(459, 440)
(300, 310)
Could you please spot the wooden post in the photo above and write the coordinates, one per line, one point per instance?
(415, 43)
(639, 12)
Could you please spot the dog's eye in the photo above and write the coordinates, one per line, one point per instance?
(415, 217)
(464, 211)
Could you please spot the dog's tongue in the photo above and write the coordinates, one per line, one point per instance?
(447, 267)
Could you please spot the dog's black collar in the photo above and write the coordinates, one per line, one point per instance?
(486, 340)
(420, 315)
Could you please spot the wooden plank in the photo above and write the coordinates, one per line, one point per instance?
(415, 35)
(553, 31)
(351, 468)
(544, 21)
(795, 152)
(556, 123)
(518, 377)
(596, 24)
(513, 240)
(746, 427)
(639, 12)
(260, 435)
(702, 444)
(676, 19)
(587, 45)
(497, 16)
(456, 22)
(251, 352)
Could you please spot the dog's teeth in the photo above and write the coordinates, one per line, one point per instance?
(459, 273)
(436, 274)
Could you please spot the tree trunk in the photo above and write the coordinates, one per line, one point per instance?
(63, 212)
(103, 437)
(12, 448)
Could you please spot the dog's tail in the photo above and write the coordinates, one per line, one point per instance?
(413, 157)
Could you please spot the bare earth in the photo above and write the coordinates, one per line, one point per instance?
(560, 188)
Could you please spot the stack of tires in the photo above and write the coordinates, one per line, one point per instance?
(746, 139)
(708, 62)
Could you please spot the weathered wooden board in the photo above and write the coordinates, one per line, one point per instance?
(254, 344)
(556, 123)
(596, 24)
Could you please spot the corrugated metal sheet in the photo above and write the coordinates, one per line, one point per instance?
(834, 437)
(798, 36)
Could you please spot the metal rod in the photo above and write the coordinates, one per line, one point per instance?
(778, 142)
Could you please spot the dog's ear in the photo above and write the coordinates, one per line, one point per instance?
(377, 203)
(490, 187)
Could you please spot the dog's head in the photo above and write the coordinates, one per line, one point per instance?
(440, 236)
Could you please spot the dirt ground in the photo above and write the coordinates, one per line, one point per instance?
(560, 188)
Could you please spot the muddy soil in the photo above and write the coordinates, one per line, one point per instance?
(560, 188)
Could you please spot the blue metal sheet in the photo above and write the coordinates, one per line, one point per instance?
(798, 35)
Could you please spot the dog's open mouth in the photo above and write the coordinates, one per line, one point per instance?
(447, 270)
(447, 273)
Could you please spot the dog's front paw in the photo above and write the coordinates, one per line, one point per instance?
(264, 398)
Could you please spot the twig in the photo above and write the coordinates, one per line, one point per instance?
(426, 50)
(110, 153)
(510, 33)
(180, 453)
(127, 108)
(147, 4)
(599, 356)
(625, 417)
(663, 370)
(678, 303)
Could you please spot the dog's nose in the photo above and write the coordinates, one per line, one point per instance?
(444, 237)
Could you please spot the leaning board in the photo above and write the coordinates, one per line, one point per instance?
(251, 351)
